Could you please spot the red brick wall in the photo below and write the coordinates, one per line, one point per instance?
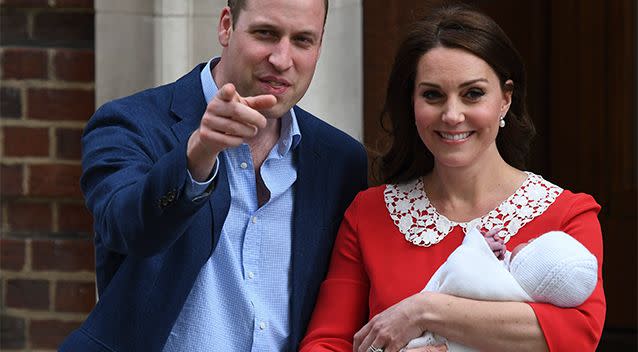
(47, 75)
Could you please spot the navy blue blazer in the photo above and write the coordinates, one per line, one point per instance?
(151, 242)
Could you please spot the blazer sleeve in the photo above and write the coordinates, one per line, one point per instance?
(579, 328)
(134, 174)
(342, 305)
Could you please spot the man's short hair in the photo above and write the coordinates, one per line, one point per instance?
(237, 5)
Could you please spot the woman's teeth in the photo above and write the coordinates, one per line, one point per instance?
(454, 136)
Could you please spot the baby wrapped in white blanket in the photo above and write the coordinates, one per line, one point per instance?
(553, 268)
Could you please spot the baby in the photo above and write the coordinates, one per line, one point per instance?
(553, 268)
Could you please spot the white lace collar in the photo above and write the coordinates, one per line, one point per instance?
(422, 225)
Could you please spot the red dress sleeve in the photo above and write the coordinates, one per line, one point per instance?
(342, 306)
(579, 328)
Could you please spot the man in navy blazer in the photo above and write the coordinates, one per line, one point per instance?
(181, 263)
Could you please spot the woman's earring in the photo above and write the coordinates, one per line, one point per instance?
(501, 123)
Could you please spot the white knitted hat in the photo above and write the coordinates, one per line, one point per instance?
(555, 268)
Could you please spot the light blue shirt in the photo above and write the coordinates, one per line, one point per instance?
(241, 299)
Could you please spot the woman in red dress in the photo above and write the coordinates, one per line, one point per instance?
(461, 132)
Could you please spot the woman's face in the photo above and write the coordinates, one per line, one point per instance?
(458, 102)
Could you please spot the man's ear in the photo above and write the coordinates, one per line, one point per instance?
(225, 27)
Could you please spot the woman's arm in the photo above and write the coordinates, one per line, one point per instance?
(501, 325)
(468, 322)
(342, 304)
(578, 328)
(462, 320)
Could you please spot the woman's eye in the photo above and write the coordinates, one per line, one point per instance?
(474, 94)
(431, 95)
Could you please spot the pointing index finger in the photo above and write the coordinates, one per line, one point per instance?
(260, 102)
(227, 93)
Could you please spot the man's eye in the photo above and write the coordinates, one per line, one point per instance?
(304, 42)
(263, 33)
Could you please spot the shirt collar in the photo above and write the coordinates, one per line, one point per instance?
(290, 134)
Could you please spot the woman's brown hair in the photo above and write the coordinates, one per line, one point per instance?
(459, 27)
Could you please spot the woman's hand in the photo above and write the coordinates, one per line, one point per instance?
(394, 327)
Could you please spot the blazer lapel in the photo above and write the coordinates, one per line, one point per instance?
(188, 106)
(308, 215)
(309, 202)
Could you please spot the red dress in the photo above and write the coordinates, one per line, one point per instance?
(373, 267)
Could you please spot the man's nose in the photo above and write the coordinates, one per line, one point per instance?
(281, 55)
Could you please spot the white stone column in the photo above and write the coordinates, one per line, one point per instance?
(124, 48)
(144, 43)
(336, 92)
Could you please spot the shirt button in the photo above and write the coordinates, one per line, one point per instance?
(262, 325)
(254, 219)
(251, 275)
(243, 165)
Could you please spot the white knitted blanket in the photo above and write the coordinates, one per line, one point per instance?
(471, 271)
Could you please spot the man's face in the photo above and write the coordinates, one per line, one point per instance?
(272, 49)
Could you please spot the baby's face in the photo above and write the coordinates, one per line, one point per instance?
(518, 248)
